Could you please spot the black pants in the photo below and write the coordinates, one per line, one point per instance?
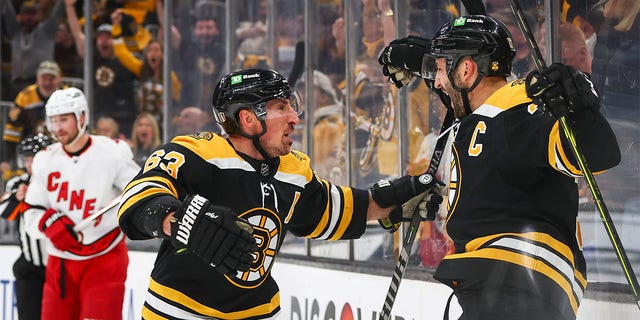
(482, 302)
(29, 283)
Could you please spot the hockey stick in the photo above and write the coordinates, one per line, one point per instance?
(410, 236)
(298, 64)
(588, 175)
(89, 220)
(472, 7)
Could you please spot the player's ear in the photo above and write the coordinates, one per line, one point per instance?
(247, 119)
(468, 70)
(83, 119)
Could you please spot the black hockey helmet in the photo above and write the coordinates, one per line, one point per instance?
(30, 145)
(487, 40)
(249, 89)
(33, 143)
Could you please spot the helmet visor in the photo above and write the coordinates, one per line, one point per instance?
(430, 65)
(452, 52)
(285, 104)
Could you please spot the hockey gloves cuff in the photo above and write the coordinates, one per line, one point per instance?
(400, 77)
(394, 193)
(425, 205)
(401, 60)
(562, 90)
(59, 229)
(214, 234)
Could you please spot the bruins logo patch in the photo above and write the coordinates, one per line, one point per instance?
(267, 229)
(202, 135)
(105, 76)
(206, 65)
(295, 154)
(455, 181)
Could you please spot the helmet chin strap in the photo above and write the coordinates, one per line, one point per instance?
(464, 92)
(80, 133)
(255, 139)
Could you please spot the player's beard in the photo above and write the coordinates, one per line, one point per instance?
(458, 104)
(456, 97)
(68, 138)
(281, 148)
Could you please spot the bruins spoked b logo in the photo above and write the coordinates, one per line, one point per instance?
(455, 180)
(267, 229)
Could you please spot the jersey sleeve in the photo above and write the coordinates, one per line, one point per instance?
(125, 56)
(36, 197)
(540, 140)
(595, 139)
(329, 211)
(159, 177)
(10, 206)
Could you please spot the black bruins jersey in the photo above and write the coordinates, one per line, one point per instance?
(27, 117)
(513, 199)
(273, 196)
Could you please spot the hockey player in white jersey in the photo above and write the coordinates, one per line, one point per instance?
(73, 178)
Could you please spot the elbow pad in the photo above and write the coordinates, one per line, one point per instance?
(155, 210)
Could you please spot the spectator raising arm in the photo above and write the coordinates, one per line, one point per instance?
(74, 26)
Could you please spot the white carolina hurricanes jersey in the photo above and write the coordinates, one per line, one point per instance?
(79, 185)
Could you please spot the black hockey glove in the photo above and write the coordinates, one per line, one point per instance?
(394, 193)
(401, 60)
(562, 90)
(426, 205)
(213, 233)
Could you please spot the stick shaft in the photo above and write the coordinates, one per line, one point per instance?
(409, 238)
(89, 220)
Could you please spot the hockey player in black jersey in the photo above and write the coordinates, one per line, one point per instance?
(513, 198)
(223, 204)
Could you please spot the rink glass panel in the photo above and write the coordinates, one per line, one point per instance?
(358, 129)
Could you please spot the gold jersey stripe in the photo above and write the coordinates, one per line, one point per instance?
(139, 196)
(156, 179)
(347, 213)
(524, 261)
(216, 147)
(557, 155)
(150, 315)
(510, 95)
(558, 246)
(545, 254)
(186, 301)
(322, 224)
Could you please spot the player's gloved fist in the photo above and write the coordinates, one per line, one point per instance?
(562, 90)
(59, 229)
(394, 193)
(425, 205)
(402, 59)
(213, 233)
(399, 76)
